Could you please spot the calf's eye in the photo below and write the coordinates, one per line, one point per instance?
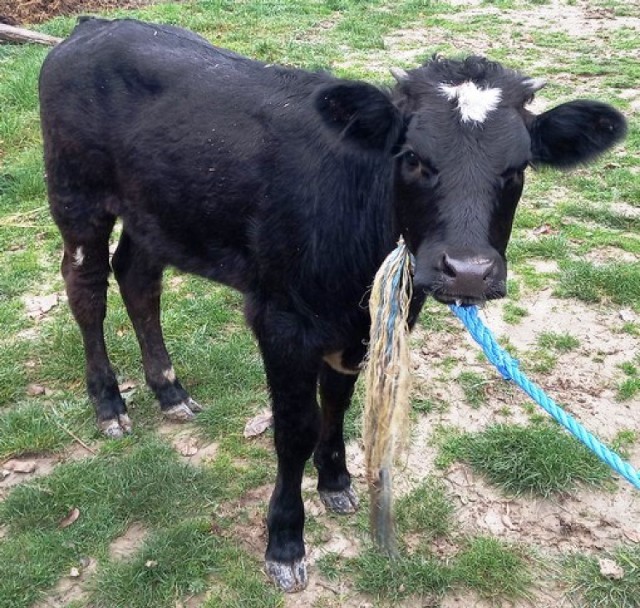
(411, 160)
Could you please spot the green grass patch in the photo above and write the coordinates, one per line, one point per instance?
(474, 386)
(628, 389)
(540, 459)
(133, 480)
(630, 386)
(540, 361)
(616, 282)
(589, 588)
(36, 428)
(493, 569)
(513, 314)
(393, 579)
(602, 215)
(183, 561)
(426, 511)
(552, 247)
(560, 342)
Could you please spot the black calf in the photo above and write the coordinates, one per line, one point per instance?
(291, 187)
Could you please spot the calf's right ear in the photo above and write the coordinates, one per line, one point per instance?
(574, 133)
(360, 113)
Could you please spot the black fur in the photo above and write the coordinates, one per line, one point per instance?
(292, 187)
(574, 133)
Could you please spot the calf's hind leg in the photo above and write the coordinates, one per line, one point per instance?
(140, 281)
(334, 481)
(85, 268)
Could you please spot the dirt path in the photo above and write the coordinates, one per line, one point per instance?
(16, 12)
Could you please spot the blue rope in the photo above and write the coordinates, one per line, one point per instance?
(508, 367)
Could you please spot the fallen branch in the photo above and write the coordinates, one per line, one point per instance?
(9, 33)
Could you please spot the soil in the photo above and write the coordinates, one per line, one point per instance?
(26, 12)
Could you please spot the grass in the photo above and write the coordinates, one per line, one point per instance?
(513, 314)
(474, 386)
(592, 589)
(618, 282)
(185, 560)
(197, 554)
(30, 429)
(134, 480)
(490, 568)
(426, 511)
(540, 460)
(560, 342)
(493, 569)
(630, 386)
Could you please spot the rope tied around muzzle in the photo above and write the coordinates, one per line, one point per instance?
(387, 388)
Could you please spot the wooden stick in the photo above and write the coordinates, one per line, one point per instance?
(9, 33)
(62, 427)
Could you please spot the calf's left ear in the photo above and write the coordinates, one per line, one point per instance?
(361, 114)
(575, 132)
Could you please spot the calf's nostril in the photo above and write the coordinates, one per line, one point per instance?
(489, 268)
(449, 267)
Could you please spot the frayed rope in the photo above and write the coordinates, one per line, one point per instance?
(387, 381)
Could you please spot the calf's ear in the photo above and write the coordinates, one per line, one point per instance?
(575, 132)
(360, 113)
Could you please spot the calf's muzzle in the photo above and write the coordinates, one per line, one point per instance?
(466, 276)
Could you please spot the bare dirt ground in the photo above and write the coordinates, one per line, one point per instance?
(18, 12)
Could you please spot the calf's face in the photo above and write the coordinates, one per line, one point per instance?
(459, 174)
(460, 137)
(460, 168)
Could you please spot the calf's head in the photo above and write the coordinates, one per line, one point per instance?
(460, 136)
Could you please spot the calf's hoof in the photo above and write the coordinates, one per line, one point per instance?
(290, 577)
(343, 502)
(183, 412)
(116, 428)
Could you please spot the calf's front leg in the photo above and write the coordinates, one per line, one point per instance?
(292, 375)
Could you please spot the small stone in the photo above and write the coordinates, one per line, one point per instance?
(74, 573)
(33, 390)
(610, 569)
(627, 315)
(151, 563)
(187, 446)
(21, 466)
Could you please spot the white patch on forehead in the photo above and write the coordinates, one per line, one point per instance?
(474, 103)
(78, 257)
